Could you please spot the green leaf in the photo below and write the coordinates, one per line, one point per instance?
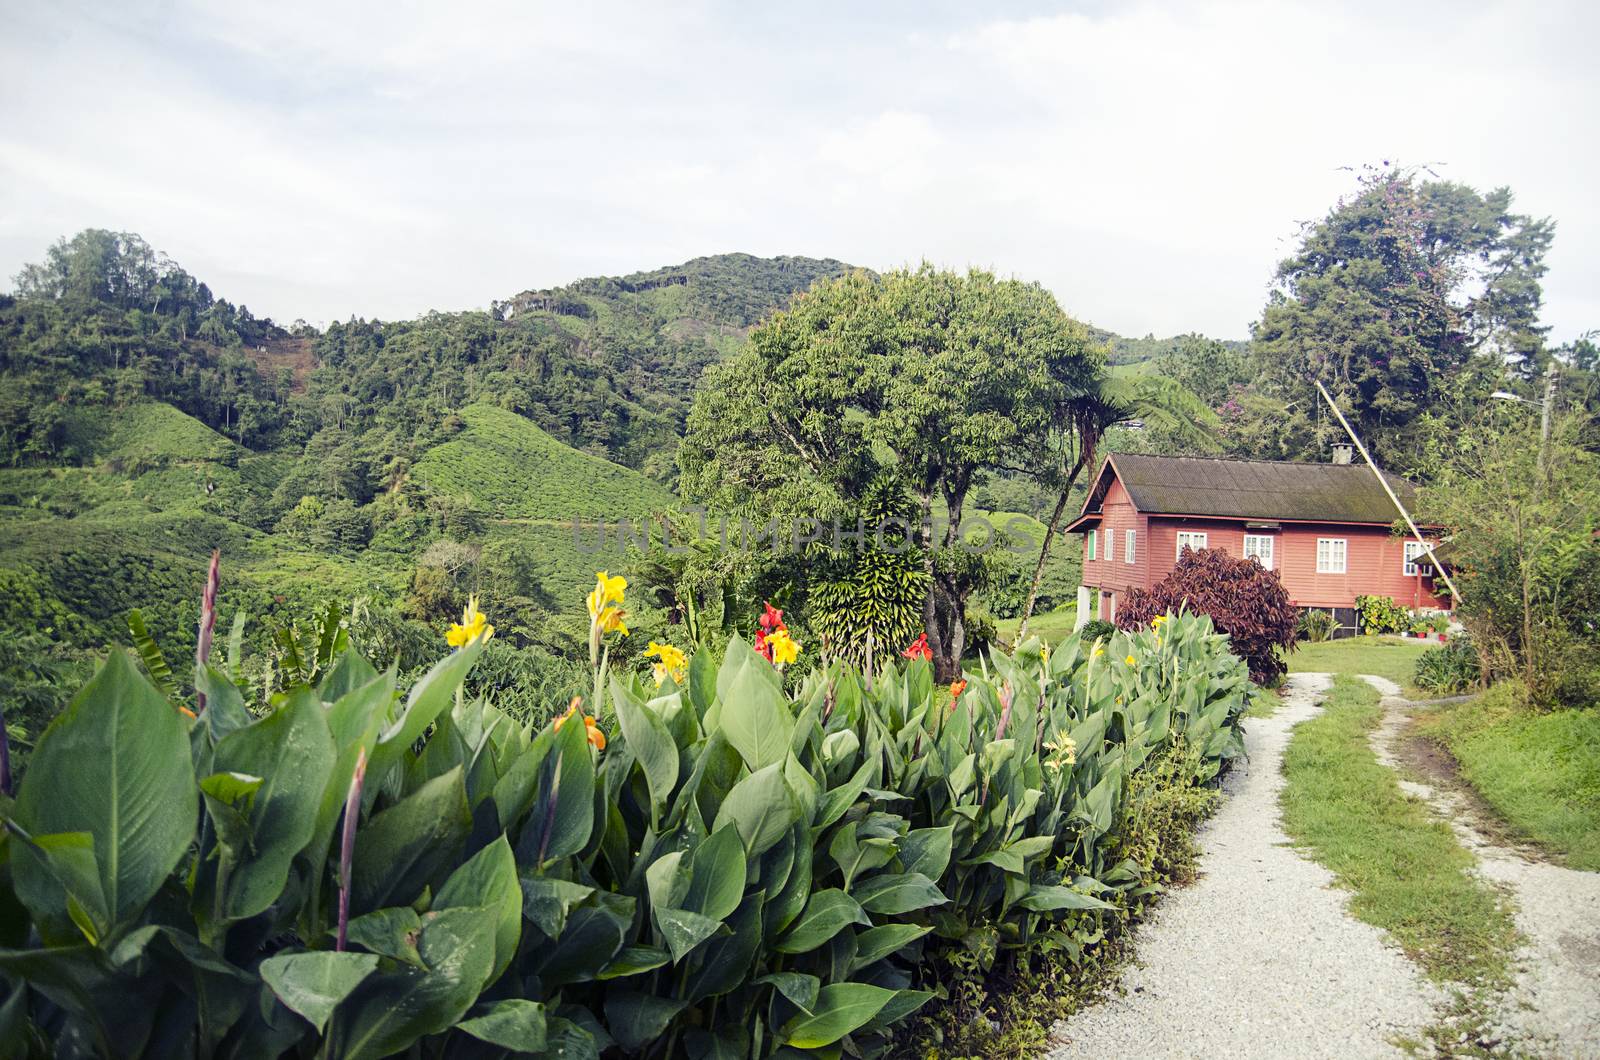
(514, 1023)
(879, 942)
(840, 799)
(59, 864)
(1044, 899)
(684, 930)
(896, 893)
(547, 901)
(827, 913)
(636, 1019)
(116, 765)
(313, 984)
(761, 807)
(633, 960)
(651, 744)
(563, 814)
(292, 751)
(489, 880)
(840, 1009)
(716, 882)
(430, 697)
(754, 716)
(149, 651)
(411, 844)
(799, 988)
(389, 1011)
(391, 932)
(927, 850)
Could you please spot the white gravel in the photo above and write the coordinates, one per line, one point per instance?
(1553, 1008)
(1258, 958)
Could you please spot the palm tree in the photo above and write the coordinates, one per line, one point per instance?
(1081, 424)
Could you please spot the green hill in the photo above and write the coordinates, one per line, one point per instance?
(513, 470)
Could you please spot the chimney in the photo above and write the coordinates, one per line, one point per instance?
(1342, 452)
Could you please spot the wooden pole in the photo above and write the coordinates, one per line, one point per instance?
(1426, 548)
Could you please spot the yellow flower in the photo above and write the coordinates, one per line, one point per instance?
(672, 662)
(1130, 660)
(472, 627)
(605, 610)
(1158, 620)
(1099, 651)
(784, 649)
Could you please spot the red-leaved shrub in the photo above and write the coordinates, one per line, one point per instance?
(1244, 600)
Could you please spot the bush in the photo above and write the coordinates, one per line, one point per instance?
(1380, 614)
(1317, 626)
(1449, 668)
(713, 869)
(1096, 629)
(1247, 603)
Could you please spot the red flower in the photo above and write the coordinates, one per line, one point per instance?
(772, 618)
(919, 648)
(763, 649)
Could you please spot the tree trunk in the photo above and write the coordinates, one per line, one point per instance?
(1084, 455)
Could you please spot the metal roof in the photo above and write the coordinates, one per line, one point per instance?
(1254, 489)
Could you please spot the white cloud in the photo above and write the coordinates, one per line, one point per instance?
(1147, 162)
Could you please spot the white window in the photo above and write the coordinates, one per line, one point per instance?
(1111, 542)
(1128, 539)
(1092, 535)
(1414, 551)
(1190, 539)
(1330, 555)
(1259, 548)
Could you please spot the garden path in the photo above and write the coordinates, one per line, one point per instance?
(1259, 957)
(1553, 1008)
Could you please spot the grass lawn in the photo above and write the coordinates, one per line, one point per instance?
(1051, 625)
(1408, 873)
(1539, 771)
(1388, 657)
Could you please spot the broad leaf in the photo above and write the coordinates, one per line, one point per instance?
(652, 745)
(893, 894)
(411, 844)
(840, 1009)
(761, 807)
(514, 1023)
(489, 880)
(116, 765)
(313, 984)
(827, 913)
(636, 1019)
(754, 716)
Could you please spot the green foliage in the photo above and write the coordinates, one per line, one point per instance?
(1524, 511)
(737, 871)
(1247, 603)
(1381, 614)
(490, 460)
(1448, 668)
(1097, 629)
(1389, 297)
(1317, 626)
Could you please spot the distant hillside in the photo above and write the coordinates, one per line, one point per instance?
(512, 469)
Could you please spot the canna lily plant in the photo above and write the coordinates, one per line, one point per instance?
(720, 868)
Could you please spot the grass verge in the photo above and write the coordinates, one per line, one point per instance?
(1388, 657)
(1405, 869)
(1540, 772)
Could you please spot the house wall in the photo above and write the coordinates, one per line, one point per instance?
(1374, 564)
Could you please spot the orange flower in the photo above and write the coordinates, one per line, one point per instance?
(186, 710)
(956, 688)
(596, 736)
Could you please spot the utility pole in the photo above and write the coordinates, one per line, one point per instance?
(1427, 549)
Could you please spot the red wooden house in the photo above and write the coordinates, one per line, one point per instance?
(1327, 529)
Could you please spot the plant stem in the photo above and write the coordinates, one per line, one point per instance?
(347, 845)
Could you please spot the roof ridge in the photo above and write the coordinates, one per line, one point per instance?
(1239, 460)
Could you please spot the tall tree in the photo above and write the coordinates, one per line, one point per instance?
(930, 374)
(1392, 293)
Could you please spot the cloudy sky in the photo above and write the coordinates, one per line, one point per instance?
(1148, 162)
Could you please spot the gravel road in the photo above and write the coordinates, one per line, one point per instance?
(1258, 958)
(1553, 1008)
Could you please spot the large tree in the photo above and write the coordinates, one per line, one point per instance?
(928, 375)
(1392, 293)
